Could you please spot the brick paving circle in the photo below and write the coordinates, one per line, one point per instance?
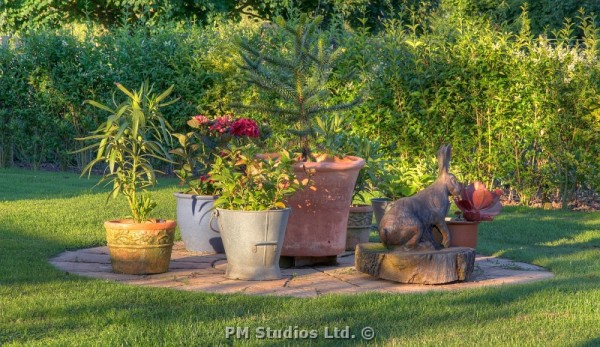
(194, 271)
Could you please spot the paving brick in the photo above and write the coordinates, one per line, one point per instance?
(194, 271)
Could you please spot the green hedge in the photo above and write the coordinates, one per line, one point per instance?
(48, 74)
(521, 112)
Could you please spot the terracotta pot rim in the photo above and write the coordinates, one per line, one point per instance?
(130, 225)
(345, 164)
(195, 196)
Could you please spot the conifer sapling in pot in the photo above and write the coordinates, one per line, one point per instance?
(291, 67)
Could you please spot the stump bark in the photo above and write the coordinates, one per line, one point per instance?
(418, 267)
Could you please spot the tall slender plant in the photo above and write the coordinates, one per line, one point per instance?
(293, 64)
(130, 138)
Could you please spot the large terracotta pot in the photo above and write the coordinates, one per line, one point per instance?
(140, 248)
(463, 233)
(317, 224)
(359, 225)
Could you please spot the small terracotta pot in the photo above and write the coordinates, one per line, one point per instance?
(140, 248)
(463, 233)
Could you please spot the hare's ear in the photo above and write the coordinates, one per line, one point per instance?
(442, 162)
(448, 157)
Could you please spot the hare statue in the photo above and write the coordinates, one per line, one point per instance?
(408, 222)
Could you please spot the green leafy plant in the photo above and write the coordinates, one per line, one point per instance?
(370, 151)
(130, 139)
(333, 134)
(293, 64)
(250, 182)
(398, 179)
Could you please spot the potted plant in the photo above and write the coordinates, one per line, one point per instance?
(335, 133)
(196, 152)
(251, 210)
(292, 67)
(128, 142)
(476, 204)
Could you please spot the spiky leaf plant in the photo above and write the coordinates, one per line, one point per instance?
(293, 63)
(133, 135)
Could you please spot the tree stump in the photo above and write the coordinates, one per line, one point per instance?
(418, 267)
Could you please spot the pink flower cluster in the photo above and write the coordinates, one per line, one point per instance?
(221, 124)
(241, 127)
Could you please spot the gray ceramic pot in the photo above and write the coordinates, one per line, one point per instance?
(379, 207)
(193, 217)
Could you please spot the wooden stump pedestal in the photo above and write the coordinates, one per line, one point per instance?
(417, 267)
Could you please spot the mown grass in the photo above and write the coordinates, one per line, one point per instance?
(43, 214)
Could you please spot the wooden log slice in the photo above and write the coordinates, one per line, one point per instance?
(419, 267)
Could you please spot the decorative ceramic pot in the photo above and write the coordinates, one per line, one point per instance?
(463, 233)
(379, 206)
(360, 219)
(253, 241)
(140, 248)
(193, 217)
(317, 225)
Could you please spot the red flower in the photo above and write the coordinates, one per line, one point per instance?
(244, 127)
(221, 124)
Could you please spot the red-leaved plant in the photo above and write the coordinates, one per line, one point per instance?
(479, 204)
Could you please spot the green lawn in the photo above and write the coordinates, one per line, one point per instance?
(43, 214)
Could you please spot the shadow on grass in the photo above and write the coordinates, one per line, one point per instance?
(24, 258)
(158, 316)
(49, 304)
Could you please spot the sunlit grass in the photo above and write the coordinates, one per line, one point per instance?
(43, 214)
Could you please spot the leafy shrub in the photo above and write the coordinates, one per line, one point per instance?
(518, 110)
(521, 109)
